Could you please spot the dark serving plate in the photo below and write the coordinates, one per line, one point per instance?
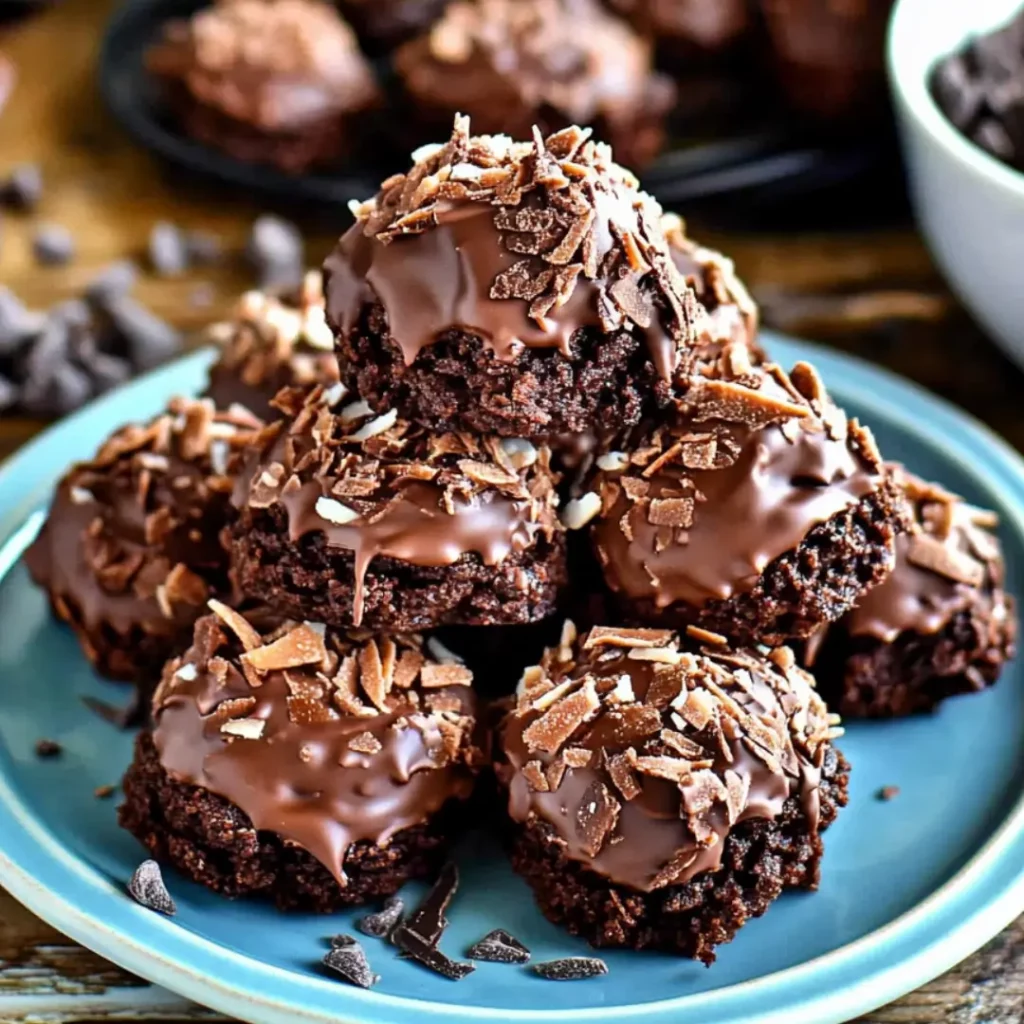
(742, 156)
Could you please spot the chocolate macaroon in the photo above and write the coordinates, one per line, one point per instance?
(510, 65)
(520, 289)
(666, 789)
(271, 343)
(279, 82)
(353, 518)
(940, 625)
(755, 509)
(315, 767)
(132, 548)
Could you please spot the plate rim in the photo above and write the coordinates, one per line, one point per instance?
(982, 898)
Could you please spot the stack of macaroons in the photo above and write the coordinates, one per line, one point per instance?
(533, 362)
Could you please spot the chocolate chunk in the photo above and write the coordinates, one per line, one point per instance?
(48, 748)
(150, 340)
(956, 93)
(8, 394)
(124, 718)
(117, 279)
(23, 188)
(203, 248)
(147, 888)
(275, 250)
(499, 947)
(428, 955)
(571, 968)
(107, 371)
(168, 255)
(17, 324)
(379, 925)
(348, 959)
(428, 920)
(52, 245)
(65, 389)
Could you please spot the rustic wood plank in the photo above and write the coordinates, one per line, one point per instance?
(875, 294)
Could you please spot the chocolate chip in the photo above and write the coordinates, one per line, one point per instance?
(276, 252)
(499, 947)
(52, 245)
(150, 341)
(147, 888)
(417, 948)
(124, 718)
(48, 748)
(117, 279)
(203, 248)
(571, 968)
(107, 371)
(64, 389)
(23, 188)
(17, 324)
(428, 920)
(8, 394)
(104, 792)
(348, 959)
(168, 255)
(379, 925)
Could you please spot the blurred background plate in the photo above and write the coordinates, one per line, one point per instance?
(910, 886)
(742, 156)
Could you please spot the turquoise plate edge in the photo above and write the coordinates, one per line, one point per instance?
(985, 896)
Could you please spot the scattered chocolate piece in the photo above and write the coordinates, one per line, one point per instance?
(168, 252)
(499, 947)
(571, 968)
(23, 188)
(348, 959)
(52, 245)
(428, 955)
(104, 792)
(147, 888)
(887, 793)
(8, 394)
(124, 718)
(16, 322)
(150, 340)
(48, 748)
(380, 924)
(276, 252)
(428, 920)
(117, 279)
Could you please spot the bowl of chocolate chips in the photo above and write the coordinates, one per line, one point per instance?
(957, 72)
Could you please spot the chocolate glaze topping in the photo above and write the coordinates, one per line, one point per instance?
(133, 536)
(378, 486)
(642, 749)
(943, 564)
(750, 461)
(275, 64)
(323, 737)
(271, 343)
(519, 244)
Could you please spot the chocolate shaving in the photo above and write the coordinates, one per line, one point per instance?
(571, 968)
(348, 960)
(147, 888)
(417, 948)
(428, 920)
(499, 947)
(596, 817)
(381, 924)
(926, 552)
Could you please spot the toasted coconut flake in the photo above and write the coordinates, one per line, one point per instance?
(673, 769)
(333, 511)
(577, 757)
(562, 719)
(407, 668)
(365, 743)
(432, 675)
(928, 553)
(580, 511)
(371, 675)
(623, 776)
(618, 636)
(706, 636)
(596, 817)
(244, 728)
(299, 646)
(378, 425)
(238, 624)
(533, 772)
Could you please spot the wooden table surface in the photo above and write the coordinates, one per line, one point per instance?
(873, 293)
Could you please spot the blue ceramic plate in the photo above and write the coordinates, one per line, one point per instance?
(910, 886)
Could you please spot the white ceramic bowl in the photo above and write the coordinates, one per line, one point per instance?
(969, 205)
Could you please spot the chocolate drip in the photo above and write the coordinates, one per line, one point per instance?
(746, 514)
(315, 776)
